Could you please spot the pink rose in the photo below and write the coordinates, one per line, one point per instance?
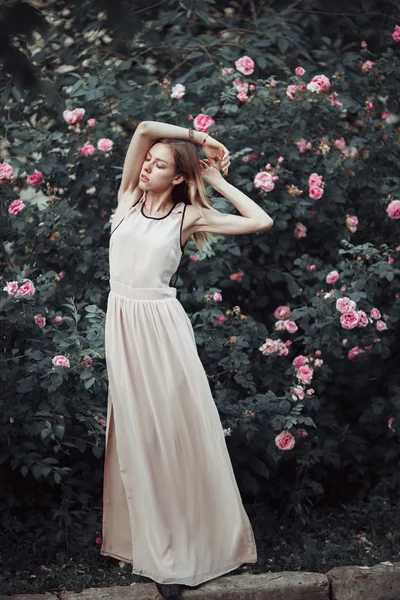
(349, 319)
(393, 209)
(351, 223)
(15, 207)
(375, 313)
(264, 181)
(220, 319)
(291, 326)
(58, 319)
(297, 391)
(87, 360)
(91, 122)
(300, 71)
(316, 192)
(332, 277)
(6, 172)
(285, 440)
(39, 320)
(300, 231)
(73, 116)
(345, 304)
(305, 374)
(362, 319)
(340, 143)
(320, 83)
(202, 122)
(282, 312)
(60, 361)
(227, 71)
(252, 87)
(237, 276)
(381, 325)
(311, 267)
(291, 90)
(245, 65)
(281, 159)
(242, 96)
(367, 66)
(269, 347)
(334, 101)
(300, 360)
(315, 180)
(27, 288)
(217, 297)
(303, 145)
(354, 352)
(310, 392)
(396, 33)
(35, 178)
(11, 287)
(105, 145)
(318, 362)
(240, 86)
(272, 83)
(87, 150)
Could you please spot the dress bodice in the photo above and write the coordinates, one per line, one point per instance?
(146, 251)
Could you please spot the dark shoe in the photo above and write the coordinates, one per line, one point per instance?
(172, 590)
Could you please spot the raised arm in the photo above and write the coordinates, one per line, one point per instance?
(134, 159)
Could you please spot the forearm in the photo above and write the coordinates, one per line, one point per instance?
(245, 205)
(156, 130)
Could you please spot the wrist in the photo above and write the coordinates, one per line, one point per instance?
(198, 137)
(221, 185)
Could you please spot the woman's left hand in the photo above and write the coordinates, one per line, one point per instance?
(209, 173)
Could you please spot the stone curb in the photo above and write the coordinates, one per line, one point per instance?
(380, 582)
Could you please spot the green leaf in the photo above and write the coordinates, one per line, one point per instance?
(98, 452)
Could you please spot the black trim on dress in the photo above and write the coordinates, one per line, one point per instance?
(157, 218)
(180, 231)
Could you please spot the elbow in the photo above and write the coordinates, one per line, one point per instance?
(142, 127)
(266, 225)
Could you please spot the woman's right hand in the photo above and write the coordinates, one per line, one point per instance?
(214, 151)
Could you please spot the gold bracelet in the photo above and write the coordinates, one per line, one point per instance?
(191, 133)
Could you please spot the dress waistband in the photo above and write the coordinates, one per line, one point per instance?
(142, 293)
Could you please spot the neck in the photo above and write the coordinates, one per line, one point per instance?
(157, 203)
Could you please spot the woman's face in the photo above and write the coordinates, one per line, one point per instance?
(159, 169)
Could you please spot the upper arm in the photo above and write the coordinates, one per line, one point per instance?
(213, 221)
(135, 156)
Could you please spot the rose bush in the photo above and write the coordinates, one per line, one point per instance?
(297, 328)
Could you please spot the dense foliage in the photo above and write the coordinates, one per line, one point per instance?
(297, 327)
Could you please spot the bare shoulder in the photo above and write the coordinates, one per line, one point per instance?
(129, 196)
(125, 202)
(193, 218)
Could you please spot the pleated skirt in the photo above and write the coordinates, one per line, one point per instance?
(171, 505)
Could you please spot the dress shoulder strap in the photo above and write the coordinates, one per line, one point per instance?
(180, 229)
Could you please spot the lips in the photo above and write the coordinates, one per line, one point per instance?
(144, 178)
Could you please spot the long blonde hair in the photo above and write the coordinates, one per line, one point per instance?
(192, 190)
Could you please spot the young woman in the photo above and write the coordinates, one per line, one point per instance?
(171, 507)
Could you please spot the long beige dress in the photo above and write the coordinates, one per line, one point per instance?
(171, 505)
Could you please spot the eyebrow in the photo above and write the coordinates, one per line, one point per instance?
(157, 158)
